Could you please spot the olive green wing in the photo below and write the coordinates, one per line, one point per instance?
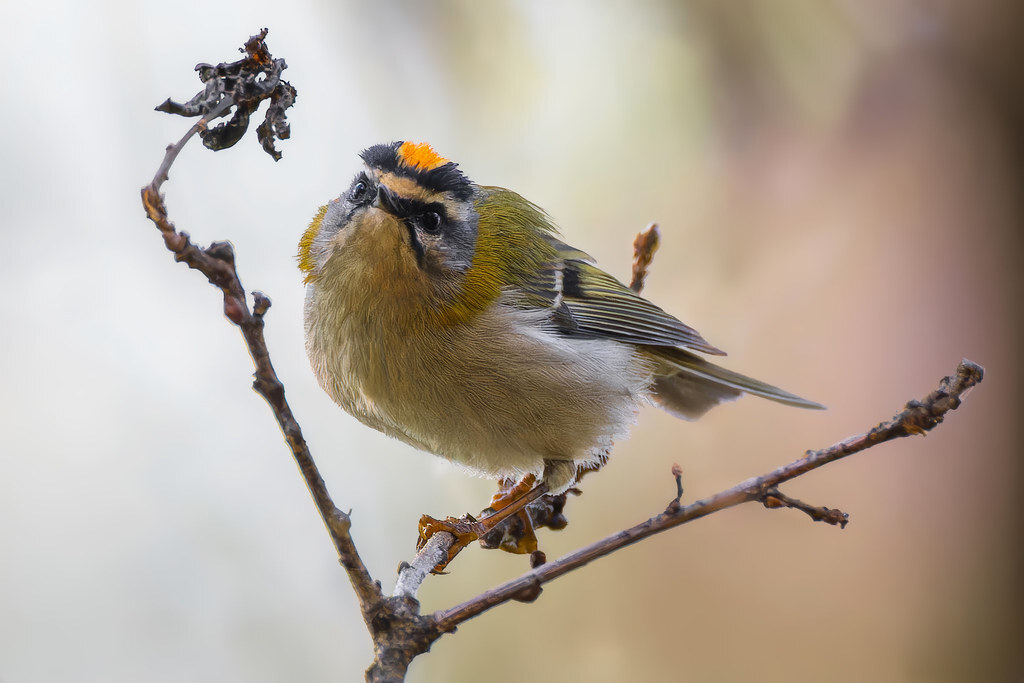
(589, 301)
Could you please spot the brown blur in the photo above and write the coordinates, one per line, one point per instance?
(839, 188)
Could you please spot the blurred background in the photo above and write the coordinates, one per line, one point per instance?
(839, 188)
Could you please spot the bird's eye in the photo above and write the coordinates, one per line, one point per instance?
(360, 190)
(431, 221)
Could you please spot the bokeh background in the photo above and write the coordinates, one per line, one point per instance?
(839, 187)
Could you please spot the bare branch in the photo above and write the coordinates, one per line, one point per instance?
(917, 418)
(217, 263)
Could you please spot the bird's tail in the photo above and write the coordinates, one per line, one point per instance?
(688, 386)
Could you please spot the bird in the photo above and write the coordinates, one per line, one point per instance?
(452, 316)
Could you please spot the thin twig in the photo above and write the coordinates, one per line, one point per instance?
(775, 498)
(410, 576)
(917, 418)
(173, 150)
(217, 262)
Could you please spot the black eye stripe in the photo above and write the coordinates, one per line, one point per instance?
(414, 242)
(415, 209)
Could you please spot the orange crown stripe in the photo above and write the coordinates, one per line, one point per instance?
(420, 156)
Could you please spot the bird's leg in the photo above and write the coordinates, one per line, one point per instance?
(466, 530)
(516, 535)
(506, 496)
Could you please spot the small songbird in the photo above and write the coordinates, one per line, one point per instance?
(451, 316)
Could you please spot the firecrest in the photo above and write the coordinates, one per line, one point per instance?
(451, 316)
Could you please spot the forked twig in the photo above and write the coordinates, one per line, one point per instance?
(217, 263)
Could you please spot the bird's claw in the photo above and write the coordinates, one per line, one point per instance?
(465, 530)
(515, 535)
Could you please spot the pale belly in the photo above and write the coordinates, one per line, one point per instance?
(499, 396)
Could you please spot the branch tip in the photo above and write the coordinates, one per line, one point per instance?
(260, 304)
(644, 246)
(244, 85)
(677, 472)
(774, 499)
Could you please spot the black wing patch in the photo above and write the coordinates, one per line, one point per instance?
(586, 300)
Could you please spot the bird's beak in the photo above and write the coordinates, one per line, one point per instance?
(387, 201)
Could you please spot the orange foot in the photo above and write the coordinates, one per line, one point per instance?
(508, 494)
(517, 536)
(466, 529)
